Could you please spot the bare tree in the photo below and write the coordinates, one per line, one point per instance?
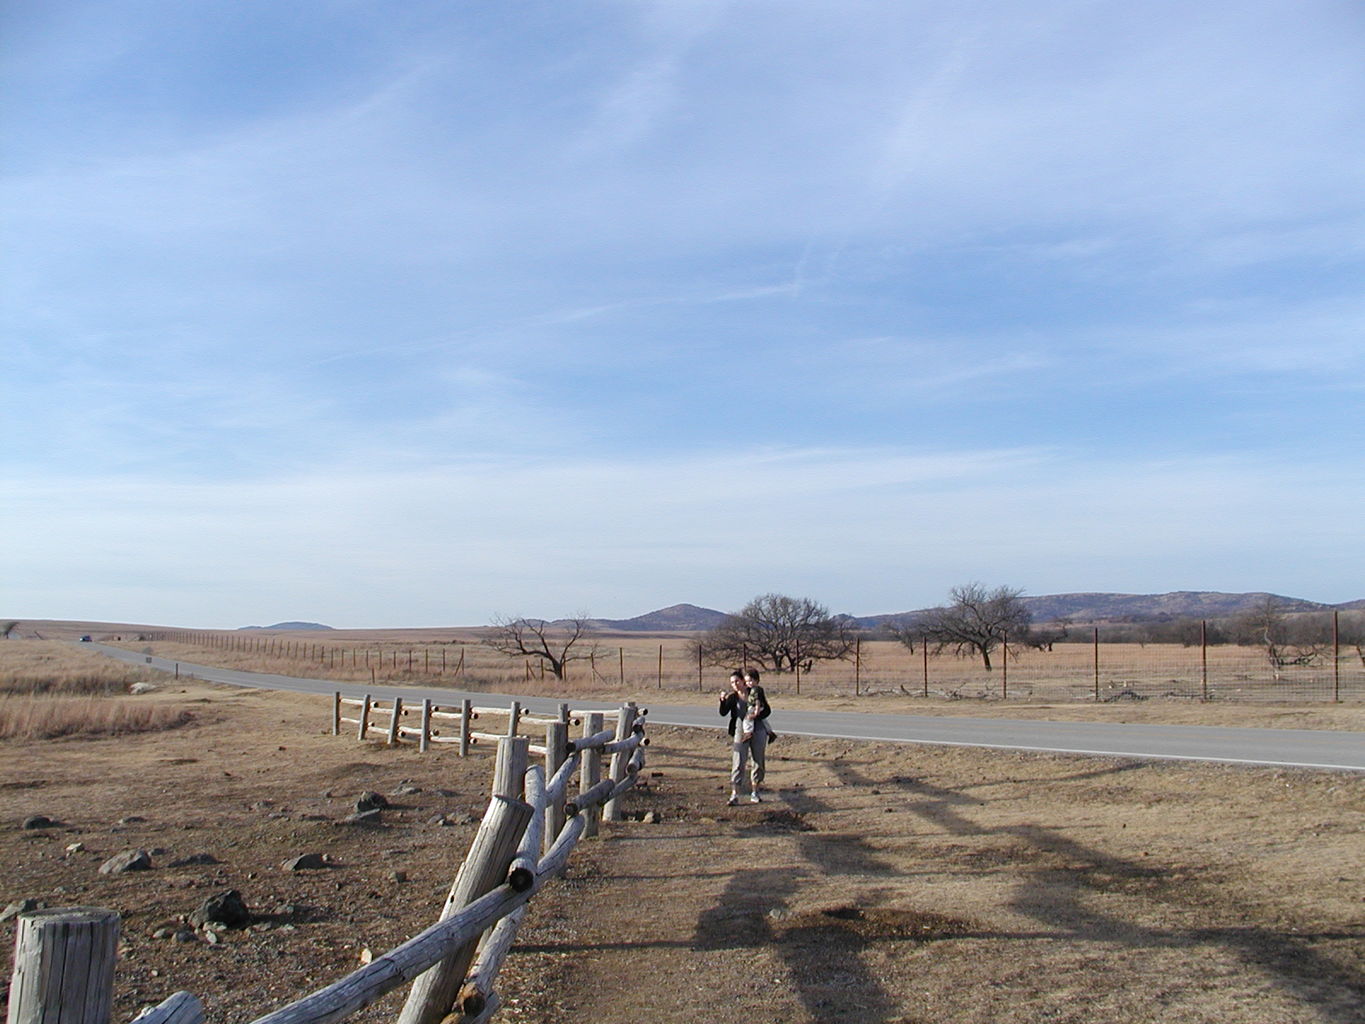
(555, 645)
(780, 633)
(1286, 639)
(7, 627)
(976, 623)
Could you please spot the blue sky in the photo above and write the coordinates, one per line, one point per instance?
(417, 314)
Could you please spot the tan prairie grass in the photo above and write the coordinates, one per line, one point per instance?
(57, 667)
(46, 717)
(1075, 672)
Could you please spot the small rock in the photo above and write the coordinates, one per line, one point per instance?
(194, 858)
(128, 860)
(371, 818)
(132, 819)
(39, 821)
(186, 935)
(366, 956)
(140, 688)
(212, 937)
(20, 907)
(407, 789)
(651, 818)
(398, 876)
(305, 862)
(370, 801)
(162, 933)
(75, 847)
(226, 908)
(439, 820)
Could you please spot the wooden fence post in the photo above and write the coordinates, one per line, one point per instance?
(514, 718)
(556, 749)
(514, 753)
(434, 992)
(336, 711)
(625, 724)
(64, 966)
(424, 743)
(393, 725)
(590, 774)
(364, 718)
(466, 715)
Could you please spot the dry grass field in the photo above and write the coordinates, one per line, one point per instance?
(1070, 673)
(883, 884)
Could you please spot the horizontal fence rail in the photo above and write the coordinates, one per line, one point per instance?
(529, 830)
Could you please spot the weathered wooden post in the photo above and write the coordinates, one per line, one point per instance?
(556, 749)
(625, 724)
(514, 754)
(434, 992)
(424, 742)
(64, 966)
(364, 718)
(393, 725)
(590, 774)
(466, 715)
(336, 712)
(514, 718)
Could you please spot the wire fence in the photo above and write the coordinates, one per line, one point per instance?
(1088, 668)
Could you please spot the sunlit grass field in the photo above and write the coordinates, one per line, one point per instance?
(631, 663)
(52, 688)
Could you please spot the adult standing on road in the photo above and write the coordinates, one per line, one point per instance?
(747, 705)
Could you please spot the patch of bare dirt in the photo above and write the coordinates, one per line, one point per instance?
(878, 883)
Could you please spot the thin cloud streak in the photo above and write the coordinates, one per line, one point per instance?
(371, 548)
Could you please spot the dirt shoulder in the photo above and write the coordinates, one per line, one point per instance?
(881, 883)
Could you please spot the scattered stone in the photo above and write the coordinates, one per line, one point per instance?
(370, 801)
(128, 860)
(407, 789)
(194, 858)
(305, 862)
(439, 820)
(366, 956)
(39, 821)
(186, 935)
(132, 819)
(371, 818)
(463, 818)
(20, 907)
(137, 689)
(162, 933)
(398, 876)
(650, 818)
(211, 936)
(75, 847)
(226, 908)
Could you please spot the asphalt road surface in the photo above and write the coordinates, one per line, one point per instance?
(1297, 748)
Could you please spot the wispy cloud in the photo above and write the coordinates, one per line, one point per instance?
(490, 288)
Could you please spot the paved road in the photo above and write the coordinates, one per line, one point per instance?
(1299, 748)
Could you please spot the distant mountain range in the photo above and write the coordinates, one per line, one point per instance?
(1077, 608)
(304, 626)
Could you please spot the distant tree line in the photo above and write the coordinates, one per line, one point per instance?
(793, 634)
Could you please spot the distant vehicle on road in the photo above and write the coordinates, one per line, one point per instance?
(85, 639)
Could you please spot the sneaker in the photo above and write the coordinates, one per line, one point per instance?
(734, 799)
(754, 798)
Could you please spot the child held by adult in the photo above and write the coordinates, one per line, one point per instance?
(747, 705)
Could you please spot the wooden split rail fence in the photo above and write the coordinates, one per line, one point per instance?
(430, 723)
(64, 958)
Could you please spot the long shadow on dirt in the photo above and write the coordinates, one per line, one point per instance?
(1336, 992)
